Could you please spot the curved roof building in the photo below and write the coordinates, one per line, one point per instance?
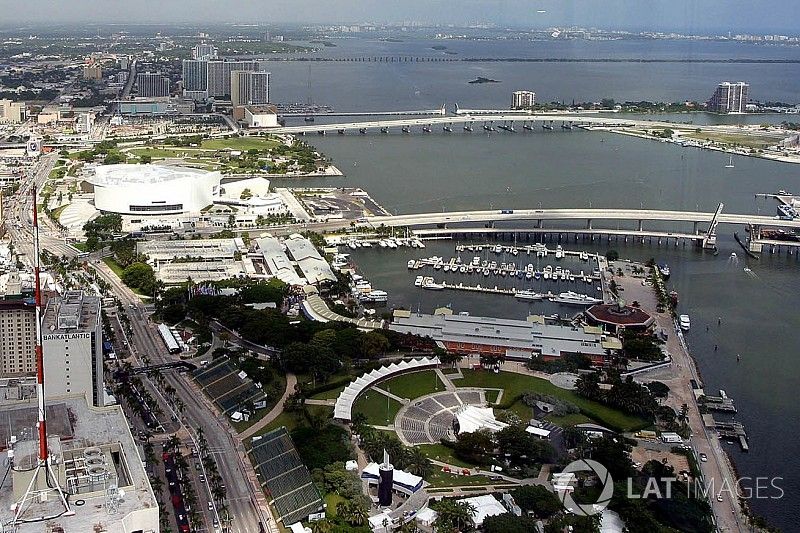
(148, 190)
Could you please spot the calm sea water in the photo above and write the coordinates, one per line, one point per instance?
(418, 173)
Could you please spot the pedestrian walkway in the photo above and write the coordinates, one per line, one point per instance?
(445, 380)
(291, 382)
(392, 396)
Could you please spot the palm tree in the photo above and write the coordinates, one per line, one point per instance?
(417, 462)
(453, 514)
(321, 526)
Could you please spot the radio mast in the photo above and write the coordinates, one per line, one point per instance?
(43, 480)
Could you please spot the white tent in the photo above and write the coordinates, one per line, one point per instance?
(472, 418)
(485, 506)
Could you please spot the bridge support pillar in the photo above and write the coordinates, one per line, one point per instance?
(640, 225)
(696, 227)
(589, 224)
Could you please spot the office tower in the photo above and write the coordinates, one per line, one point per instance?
(219, 75)
(152, 84)
(204, 51)
(729, 98)
(522, 99)
(93, 72)
(195, 74)
(11, 112)
(17, 330)
(249, 88)
(72, 343)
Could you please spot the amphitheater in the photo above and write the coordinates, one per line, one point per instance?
(428, 419)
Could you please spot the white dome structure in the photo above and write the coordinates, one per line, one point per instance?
(148, 190)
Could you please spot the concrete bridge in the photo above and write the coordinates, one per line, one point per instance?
(487, 122)
(590, 220)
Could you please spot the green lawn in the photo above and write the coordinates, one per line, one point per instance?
(79, 245)
(444, 479)
(373, 405)
(491, 395)
(113, 265)
(569, 420)
(332, 500)
(413, 385)
(516, 384)
(443, 453)
(240, 143)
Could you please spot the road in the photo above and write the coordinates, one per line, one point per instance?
(197, 414)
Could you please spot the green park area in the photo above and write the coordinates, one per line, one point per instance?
(413, 385)
(375, 407)
(515, 385)
(745, 140)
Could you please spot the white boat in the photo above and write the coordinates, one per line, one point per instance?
(498, 249)
(377, 296)
(514, 251)
(730, 163)
(684, 322)
(446, 267)
(432, 286)
(367, 244)
(420, 244)
(528, 295)
(485, 271)
(391, 243)
(462, 269)
(418, 281)
(559, 252)
(584, 256)
(352, 245)
(574, 298)
(437, 266)
(382, 243)
(411, 263)
(476, 261)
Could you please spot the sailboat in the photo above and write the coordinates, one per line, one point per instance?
(730, 163)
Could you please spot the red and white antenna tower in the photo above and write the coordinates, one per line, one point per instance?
(43, 480)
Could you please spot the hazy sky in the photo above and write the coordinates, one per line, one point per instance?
(686, 15)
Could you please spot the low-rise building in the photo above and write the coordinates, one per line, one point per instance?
(11, 112)
(265, 116)
(520, 340)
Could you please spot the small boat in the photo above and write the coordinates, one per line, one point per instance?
(433, 286)
(584, 256)
(352, 245)
(537, 275)
(528, 275)
(446, 267)
(418, 281)
(376, 296)
(684, 322)
(559, 252)
(462, 269)
(664, 269)
(528, 295)
(366, 244)
(382, 243)
(438, 266)
(498, 249)
(411, 263)
(730, 163)
(574, 298)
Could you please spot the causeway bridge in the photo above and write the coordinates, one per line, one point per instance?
(503, 121)
(591, 221)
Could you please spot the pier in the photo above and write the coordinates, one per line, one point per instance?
(732, 431)
(720, 403)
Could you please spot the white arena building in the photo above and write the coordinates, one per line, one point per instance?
(152, 190)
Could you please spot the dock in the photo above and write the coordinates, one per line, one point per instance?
(720, 403)
(732, 431)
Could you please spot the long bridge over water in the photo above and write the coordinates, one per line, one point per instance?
(493, 122)
(592, 222)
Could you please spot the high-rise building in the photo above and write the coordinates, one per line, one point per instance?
(93, 71)
(11, 112)
(204, 51)
(72, 344)
(249, 88)
(219, 75)
(152, 84)
(729, 98)
(195, 74)
(522, 99)
(17, 331)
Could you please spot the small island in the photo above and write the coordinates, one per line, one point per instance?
(481, 79)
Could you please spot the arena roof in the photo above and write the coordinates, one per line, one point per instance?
(127, 174)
